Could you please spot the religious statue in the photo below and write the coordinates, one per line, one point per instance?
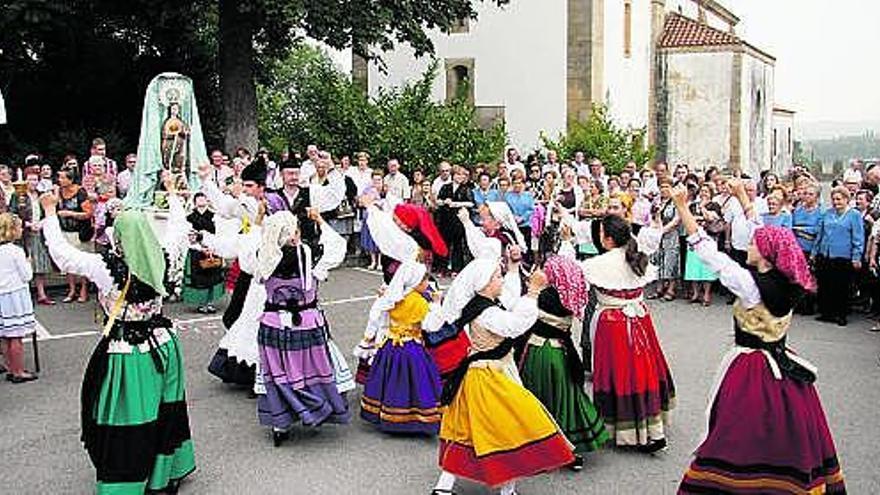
(171, 142)
(175, 143)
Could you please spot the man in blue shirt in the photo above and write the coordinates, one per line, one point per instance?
(522, 205)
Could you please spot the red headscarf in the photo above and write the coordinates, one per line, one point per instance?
(779, 246)
(417, 218)
(568, 278)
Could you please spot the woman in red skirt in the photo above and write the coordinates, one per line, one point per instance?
(632, 384)
(767, 430)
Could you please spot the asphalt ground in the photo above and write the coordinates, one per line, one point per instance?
(39, 421)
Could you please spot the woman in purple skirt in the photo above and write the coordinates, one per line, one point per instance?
(293, 338)
(402, 390)
(767, 431)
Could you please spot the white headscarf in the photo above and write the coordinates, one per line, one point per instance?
(474, 278)
(408, 275)
(277, 231)
(501, 212)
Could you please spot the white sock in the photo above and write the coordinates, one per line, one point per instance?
(509, 488)
(446, 482)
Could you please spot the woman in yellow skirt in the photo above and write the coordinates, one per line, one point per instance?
(493, 431)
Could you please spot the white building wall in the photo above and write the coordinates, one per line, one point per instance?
(699, 92)
(519, 57)
(783, 127)
(627, 84)
(756, 122)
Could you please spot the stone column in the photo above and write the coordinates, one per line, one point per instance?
(658, 22)
(579, 59)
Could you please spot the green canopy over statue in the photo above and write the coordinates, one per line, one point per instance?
(171, 140)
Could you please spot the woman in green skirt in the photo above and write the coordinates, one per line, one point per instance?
(203, 278)
(134, 416)
(550, 366)
(696, 273)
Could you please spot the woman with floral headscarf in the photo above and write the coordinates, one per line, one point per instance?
(551, 368)
(767, 431)
(134, 414)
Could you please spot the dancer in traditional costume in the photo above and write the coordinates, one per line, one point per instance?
(134, 414)
(551, 368)
(299, 374)
(767, 431)
(493, 431)
(632, 384)
(402, 390)
(237, 358)
(403, 233)
(203, 272)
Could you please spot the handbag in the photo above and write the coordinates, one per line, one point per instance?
(209, 262)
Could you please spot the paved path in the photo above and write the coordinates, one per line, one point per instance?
(39, 422)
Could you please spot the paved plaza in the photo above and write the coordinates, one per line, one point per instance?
(39, 422)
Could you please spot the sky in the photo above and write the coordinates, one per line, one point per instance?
(826, 64)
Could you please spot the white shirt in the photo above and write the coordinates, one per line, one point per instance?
(15, 272)
(306, 171)
(517, 165)
(361, 178)
(547, 167)
(123, 182)
(397, 185)
(582, 169)
(438, 184)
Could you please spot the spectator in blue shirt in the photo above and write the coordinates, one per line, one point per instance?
(805, 224)
(775, 214)
(484, 192)
(522, 205)
(838, 255)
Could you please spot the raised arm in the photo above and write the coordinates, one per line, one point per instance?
(391, 239)
(521, 316)
(68, 258)
(334, 248)
(736, 278)
(478, 243)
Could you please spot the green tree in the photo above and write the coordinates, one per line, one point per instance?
(54, 53)
(311, 101)
(599, 137)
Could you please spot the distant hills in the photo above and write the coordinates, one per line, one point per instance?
(811, 131)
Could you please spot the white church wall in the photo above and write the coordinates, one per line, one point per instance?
(519, 55)
(756, 114)
(627, 84)
(783, 130)
(699, 92)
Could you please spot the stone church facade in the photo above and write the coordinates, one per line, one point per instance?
(676, 67)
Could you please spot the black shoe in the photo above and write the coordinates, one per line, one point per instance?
(210, 309)
(652, 447)
(279, 437)
(21, 379)
(577, 464)
(841, 322)
(437, 491)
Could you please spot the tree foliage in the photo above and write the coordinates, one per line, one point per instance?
(311, 101)
(80, 67)
(599, 137)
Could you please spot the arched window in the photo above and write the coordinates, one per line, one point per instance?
(459, 80)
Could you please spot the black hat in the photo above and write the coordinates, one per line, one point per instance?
(256, 172)
(290, 163)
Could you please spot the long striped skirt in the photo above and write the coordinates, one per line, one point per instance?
(299, 375)
(134, 416)
(766, 435)
(495, 431)
(632, 384)
(402, 391)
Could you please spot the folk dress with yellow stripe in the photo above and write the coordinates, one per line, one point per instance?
(402, 392)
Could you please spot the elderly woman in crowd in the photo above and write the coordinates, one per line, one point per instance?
(838, 255)
(667, 257)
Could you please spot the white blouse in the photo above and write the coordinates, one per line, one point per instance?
(733, 276)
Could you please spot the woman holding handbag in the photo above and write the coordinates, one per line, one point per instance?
(203, 280)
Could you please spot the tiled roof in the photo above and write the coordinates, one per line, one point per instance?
(681, 31)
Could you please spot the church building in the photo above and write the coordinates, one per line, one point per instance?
(675, 67)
